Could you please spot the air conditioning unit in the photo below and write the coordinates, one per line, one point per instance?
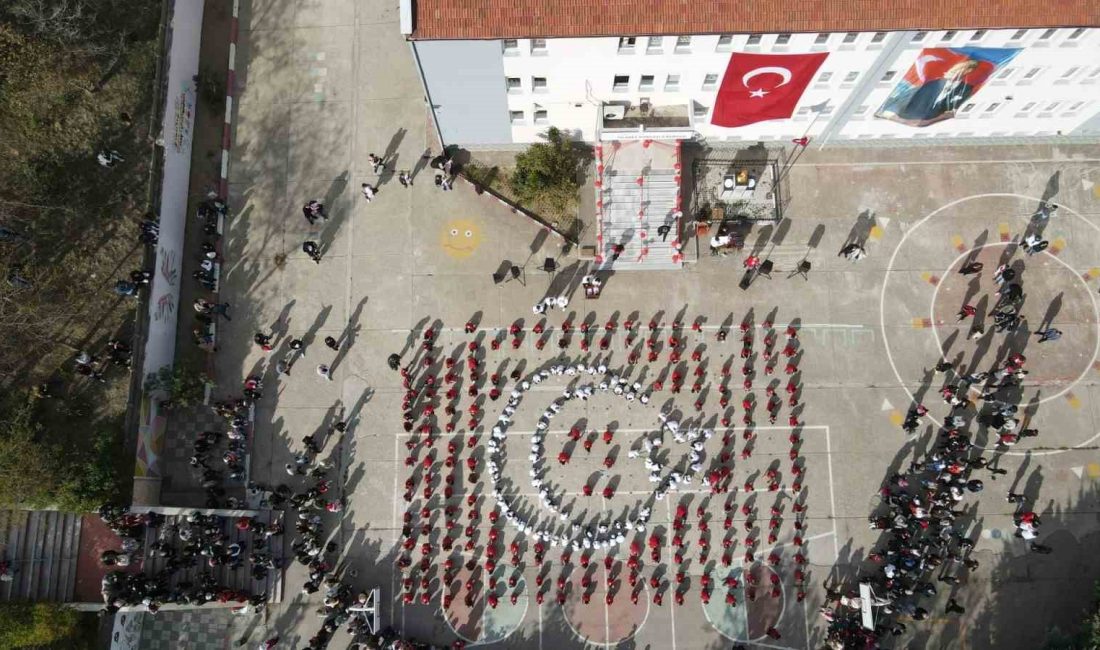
(644, 106)
(614, 112)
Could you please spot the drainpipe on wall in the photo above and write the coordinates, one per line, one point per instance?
(407, 22)
(892, 49)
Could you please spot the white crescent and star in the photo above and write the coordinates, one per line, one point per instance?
(760, 92)
(923, 61)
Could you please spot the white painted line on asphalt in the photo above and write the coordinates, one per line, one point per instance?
(941, 162)
(405, 434)
(396, 473)
(832, 492)
(668, 547)
(1073, 273)
(885, 284)
(640, 332)
(606, 607)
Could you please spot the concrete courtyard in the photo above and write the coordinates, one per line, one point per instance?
(325, 83)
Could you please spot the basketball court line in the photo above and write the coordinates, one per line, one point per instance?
(668, 507)
(890, 269)
(668, 547)
(1073, 273)
(606, 607)
(396, 473)
(406, 434)
(597, 331)
(832, 491)
(884, 163)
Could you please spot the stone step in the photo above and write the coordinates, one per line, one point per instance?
(633, 207)
(630, 218)
(652, 173)
(633, 191)
(70, 552)
(647, 181)
(240, 578)
(36, 542)
(42, 547)
(629, 207)
(644, 266)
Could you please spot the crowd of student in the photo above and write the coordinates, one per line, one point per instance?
(195, 553)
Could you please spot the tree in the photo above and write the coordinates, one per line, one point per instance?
(548, 172)
(96, 477)
(29, 472)
(34, 625)
(1087, 638)
(184, 385)
(62, 21)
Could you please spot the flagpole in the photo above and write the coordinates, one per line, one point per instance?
(802, 142)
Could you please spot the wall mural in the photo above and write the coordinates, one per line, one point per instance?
(941, 81)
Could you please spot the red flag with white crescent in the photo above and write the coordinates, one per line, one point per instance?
(760, 87)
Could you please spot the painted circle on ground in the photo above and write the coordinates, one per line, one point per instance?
(891, 269)
(1050, 366)
(597, 622)
(749, 619)
(479, 623)
(460, 238)
(599, 531)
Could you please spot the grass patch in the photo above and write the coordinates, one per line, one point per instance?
(46, 625)
(544, 179)
(562, 214)
(75, 79)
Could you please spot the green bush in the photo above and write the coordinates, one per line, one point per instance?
(547, 172)
(98, 477)
(29, 471)
(35, 625)
(38, 470)
(210, 86)
(184, 385)
(1087, 638)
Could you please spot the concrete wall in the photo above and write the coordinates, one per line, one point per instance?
(854, 80)
(465, 81)
(160, 345)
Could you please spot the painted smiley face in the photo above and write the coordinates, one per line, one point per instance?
(460, 238)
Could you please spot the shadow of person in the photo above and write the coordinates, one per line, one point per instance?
(861, 229)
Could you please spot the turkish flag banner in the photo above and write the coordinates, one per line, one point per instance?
(760, 87)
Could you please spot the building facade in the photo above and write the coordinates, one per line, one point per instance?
(1025, 82)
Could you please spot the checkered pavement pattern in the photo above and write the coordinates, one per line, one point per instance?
(204, 629)
(183, 425)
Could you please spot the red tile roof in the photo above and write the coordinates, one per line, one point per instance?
(485, 19)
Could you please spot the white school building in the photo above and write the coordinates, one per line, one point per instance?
(500, 72)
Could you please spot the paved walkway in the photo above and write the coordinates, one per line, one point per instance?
(325, 83)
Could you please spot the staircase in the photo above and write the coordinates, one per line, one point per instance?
(42, 547)
(638, 192)
(240, 578)
(633, 211)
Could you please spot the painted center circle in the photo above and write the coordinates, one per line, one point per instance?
(599, 621)
(469, 613)
(1054, 296)
(756, 609)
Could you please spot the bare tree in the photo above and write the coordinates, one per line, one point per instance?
(68, 22)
